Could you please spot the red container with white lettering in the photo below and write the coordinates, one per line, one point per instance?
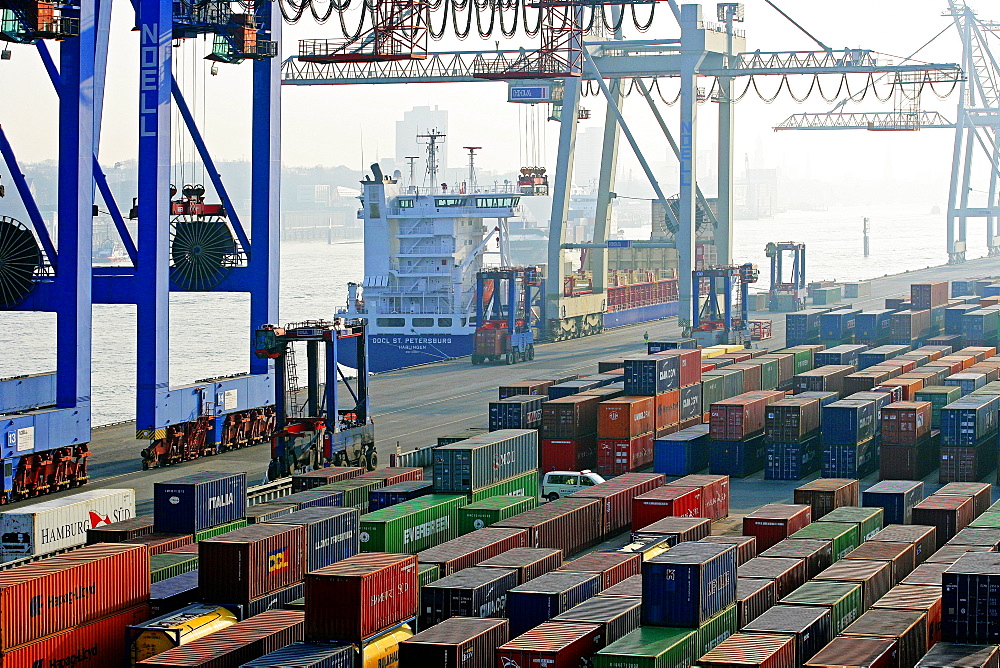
(775, 522)
(616, 497)
(356, 598)
(78, 587)
(621, 455)
(552, 645)
(248, 563)
(625, 417)
(690, 363)
(569, 454)
(714, 493)
(665, 502)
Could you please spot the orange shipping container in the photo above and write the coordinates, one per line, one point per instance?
(625, 417)
(910, 386)
(668, 412)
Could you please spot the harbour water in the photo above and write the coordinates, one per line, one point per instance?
(209, 336)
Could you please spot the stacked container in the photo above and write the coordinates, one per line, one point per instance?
(968, 438)
(825, 494)
(714, 493)
(774, 522)
(625, 434)
(971, 586)
(548, 595)
(458, 642)
(471, 549)
(485, 464)
(688, 400)
(412, 526)
(246, 565)
(848, 432)
(736, 428)
(791, 435)
(896, 498)
(569, 433)
(682, 452)
(616, 496)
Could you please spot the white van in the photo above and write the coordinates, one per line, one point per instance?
(563, 483)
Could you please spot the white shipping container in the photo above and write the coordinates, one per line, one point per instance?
(60, 523)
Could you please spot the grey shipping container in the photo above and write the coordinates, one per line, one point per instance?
(472, 592)
(481, 461)
(331, 533)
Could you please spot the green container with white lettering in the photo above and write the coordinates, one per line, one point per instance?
(717, 629)
(525, 484)
(412, 526)
(488, 511)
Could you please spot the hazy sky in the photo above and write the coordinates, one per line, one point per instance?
(332, 125)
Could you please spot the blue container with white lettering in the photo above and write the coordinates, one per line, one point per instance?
(199, 501)
(398, 493)
(331, 533)
(688, 585)
(848, 421)
(548, 595)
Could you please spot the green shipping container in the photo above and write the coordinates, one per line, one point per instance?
(712, 390)
(843, 599)
(484, 513)
(717, 629)
(219, 530)
(297, 604)
(869, 520)
(843, 536)
(803, 359)
(355, 491)
(987, 520)
(651, 647)
(166, 565)
(939, 396)
(768, 374)
(427, 573)
(824, 296)
(412, 526)
(525, 484)
(995, 508)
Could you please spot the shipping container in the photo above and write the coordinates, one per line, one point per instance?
(372, 591)
(627, 588)
(818, 554)
(737, 459)
(546, 596)
(848, 421)
(811, 627)
(682, 452)
(522, 411)
(484, 460)
(908, 462)
(746, 546)
(954, 655)
(663, 502)
(775, 522)
(844, 536)
(740, 417)
(626, 417)
(905, 422)
(715, 493)
(967, 463)
(869, 520)
(851, 651)
(529, 562)
(917, 597)
(828, 378)
(308, 655)
(472, 592)
(969, 420)
(971, 598)
(753, 599)
(169, 565)
(843, 354)
(788, 573)
(949, 554)
(173, 593)
(489, 511)
(791, 420)
(923, 538)
(251, 562)
(616, 456)
(949, 514)
(398, 493)
(133, 527)
(41, 528)
(691, 406)
(355, 491)
(530, 387)
(793, 461)
(613, 567)
(458, 642)
(265, 512)
(689, 584)
(843, 599)
(652, 375)
(825, 494)
(412, 526)
(570, 524)
(900, 556)
(464, 434)
(895, 497)
(985, 536)
(927, 574)
(850, 460)
(331, 534)
(981, 493)
(324, 476)
(616, 497)
(677, 529)
(199, 501)
(574, 454)
(314, 497)
(570, 388)
(471, 549)
(875, 577)
(752, 649)
(617, 616)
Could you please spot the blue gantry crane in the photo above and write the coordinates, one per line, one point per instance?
(185, 242)
(788, 276)
(713, 322)
(508, 307)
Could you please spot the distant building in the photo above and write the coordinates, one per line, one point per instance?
(420, 120)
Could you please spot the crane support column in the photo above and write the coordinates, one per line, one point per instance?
(690, 61)
(155, 25)
(561, 191)
(724, 229)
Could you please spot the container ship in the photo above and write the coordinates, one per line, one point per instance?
(422, 250)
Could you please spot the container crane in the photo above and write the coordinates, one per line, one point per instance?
(786, 295)
(713, 323)
(508, 300)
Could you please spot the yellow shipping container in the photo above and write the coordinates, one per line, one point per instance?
(176, 628)
(383, 650)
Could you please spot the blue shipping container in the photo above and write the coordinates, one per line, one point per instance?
(650, 376)
(523, 411)
(969, 419)
(953, 317)
(173, 593)
(308, 655)
(896, 498)
(875, 325)
(331, 533)
(848, 421)
(546, 596)
(670, 344)
(398, 493)
(737, 458)
(838, 324)
(570, 388)
(845, 354)
(688, 585)
(199, 501)
(825, 398)
(791, 461)
(880, 354)
(683, 452)
(881, 399)
(849, 460)
(967, 382)
(312, 499)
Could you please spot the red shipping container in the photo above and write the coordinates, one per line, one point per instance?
(905, 422)
(665, 502)
(356, 598)
(788, 573)
(735, 357)
(616, 497)
(614, 567)
(955, 364)
(553, 645)
(468, 550)
(574, 454)
(625, 417)
(905, 462)
(690, 363)
(746, 546)
(251, 562)
(775, 522)
(54, 594)
(394, 474)
(904, 365)
(158, 543)
(751, 375)
(851, 651)
(102, 640)
(964, 464)
(948, 513)
(917, 597)
(668, 411)
(570, 417)
(752, 650)
(622, 455)
(740, 417)
(714, 493)
(707, 367)
(569, 524)
(979, 491)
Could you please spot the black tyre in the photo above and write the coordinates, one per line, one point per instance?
(552, 496)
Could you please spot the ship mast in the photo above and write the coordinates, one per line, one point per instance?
(432, 137)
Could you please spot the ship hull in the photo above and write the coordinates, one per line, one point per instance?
(387, 352)
(633, 316)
